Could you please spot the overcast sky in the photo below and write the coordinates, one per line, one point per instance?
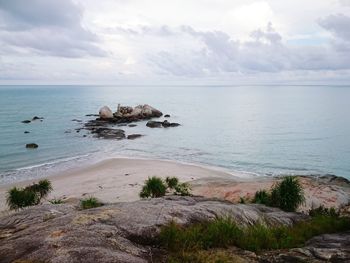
(174, 41)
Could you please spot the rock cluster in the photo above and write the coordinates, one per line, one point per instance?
(102, 127)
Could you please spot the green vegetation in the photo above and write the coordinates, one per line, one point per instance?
(172, 182)
(90, 202)
(30, 195)
(287, 195)
(56, 201)
(323, 211)
(224, 232)
(262, 197)
(156, 187)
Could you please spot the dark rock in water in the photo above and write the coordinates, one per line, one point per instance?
(26, 132)
(68, 131)
(159, 124)
(167, 124)
(108, 133)
(84, 135)
(37, 118)
(132, 125)
(120, 232)
(122, 125)
(166, 116)
(31, 145)
(77, 120)
(92, 115)
(134, 136)
(26, 121)
(154, 124)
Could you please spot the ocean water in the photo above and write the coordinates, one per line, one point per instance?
(265, 130)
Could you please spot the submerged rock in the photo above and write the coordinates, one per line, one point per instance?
(160, 124)
(166, 116)
(108, 133)
(37, 118)
(26, 131)
(105, 113)
(31, 145)
(134, 136)
(26, 121)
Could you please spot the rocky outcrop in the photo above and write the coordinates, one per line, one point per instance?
(32, 145)
(105, 113)
(121, 232)
(26, 121)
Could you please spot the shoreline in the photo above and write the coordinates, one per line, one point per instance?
(118, 179)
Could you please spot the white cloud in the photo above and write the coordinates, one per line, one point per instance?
(124, 40)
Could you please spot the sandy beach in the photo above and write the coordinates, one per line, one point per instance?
(118, 179)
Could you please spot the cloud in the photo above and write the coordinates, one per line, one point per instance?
(265, 51)
(338, 24)
(46, 27)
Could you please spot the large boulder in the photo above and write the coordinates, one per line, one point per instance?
(105, 113)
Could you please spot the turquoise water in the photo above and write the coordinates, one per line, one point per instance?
(257, 129)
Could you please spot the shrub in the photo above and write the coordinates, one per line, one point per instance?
(56, 201)
(172, 182)
(30, 195)
(90, 202)
(182, 189)
(287, 194)
(262, 197)
(154, 187)
(18, 198)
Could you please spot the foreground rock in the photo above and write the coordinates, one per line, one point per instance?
(121, 232)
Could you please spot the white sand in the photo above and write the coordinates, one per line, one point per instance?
(118, 179)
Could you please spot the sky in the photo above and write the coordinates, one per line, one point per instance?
(174, 41)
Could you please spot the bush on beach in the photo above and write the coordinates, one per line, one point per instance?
(157, 187)
(18, 198)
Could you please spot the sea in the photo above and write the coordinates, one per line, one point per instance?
(261, 130)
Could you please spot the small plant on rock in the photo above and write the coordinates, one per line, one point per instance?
(90, 202)
(287, 195)
(262, 197)
(56, 201)
(182, 189)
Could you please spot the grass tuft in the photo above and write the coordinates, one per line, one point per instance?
(224, 232)
(90, 202)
